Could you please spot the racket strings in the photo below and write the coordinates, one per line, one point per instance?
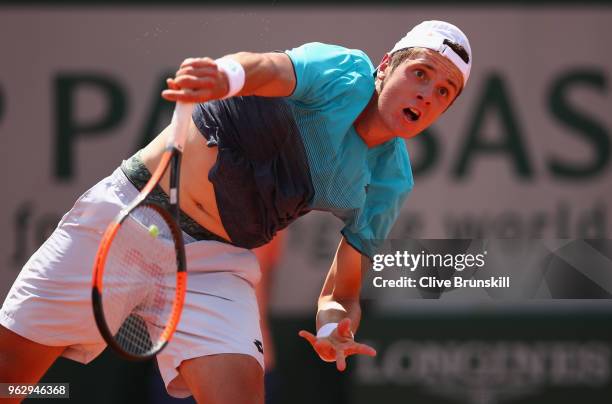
(140, 281)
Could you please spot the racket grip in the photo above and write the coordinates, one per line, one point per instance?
(181, 118)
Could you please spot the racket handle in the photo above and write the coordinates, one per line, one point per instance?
(180, 125)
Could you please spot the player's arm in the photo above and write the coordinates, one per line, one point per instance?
(203, 79)
(339, 304)
(339, 297)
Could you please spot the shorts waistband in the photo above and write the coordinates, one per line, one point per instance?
(138, 174)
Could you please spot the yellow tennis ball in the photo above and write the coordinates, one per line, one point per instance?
(154, 231)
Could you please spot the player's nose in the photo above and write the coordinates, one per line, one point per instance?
(424, 97)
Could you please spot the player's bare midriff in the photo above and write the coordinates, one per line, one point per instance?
(197, 194)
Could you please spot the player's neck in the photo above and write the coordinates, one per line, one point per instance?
(369, 125)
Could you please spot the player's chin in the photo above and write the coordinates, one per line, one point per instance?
(412, 129)
(408, 129)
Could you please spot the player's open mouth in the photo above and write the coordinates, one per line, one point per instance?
(412, 114)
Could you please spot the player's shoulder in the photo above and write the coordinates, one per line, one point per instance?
(324, 47)
(325, 73)
(332, 53)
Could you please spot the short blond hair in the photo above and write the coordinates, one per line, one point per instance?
(405, 54)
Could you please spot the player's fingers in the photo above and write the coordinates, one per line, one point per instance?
(360, 349)
(197, 71)
(325, 350)
(186, 95)
(171, 84)
(187, 61)
(198, 62)
(196, 96)
(173, 95)
(308, 337)
(194, 82)
(340, 360)
(169, 95)
(322, 347)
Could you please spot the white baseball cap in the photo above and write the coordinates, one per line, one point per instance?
(436, 35)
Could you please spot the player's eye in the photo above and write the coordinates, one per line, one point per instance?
(419, 73)
(443, 91)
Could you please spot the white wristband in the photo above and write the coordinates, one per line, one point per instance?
(235, 75)
(326, 330)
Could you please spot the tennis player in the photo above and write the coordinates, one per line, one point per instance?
(274, 136)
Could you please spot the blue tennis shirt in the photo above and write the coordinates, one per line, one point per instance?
(282, 157)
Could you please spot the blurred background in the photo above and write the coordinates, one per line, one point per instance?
(524, 153)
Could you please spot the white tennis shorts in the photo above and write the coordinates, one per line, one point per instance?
(50, 302)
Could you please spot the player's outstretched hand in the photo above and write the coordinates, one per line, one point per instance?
(197, 80)
(338, 346)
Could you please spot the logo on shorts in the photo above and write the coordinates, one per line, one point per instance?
(259, 345)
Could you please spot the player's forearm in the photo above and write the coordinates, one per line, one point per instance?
(342, 288)
(204, 79)
(266, 74)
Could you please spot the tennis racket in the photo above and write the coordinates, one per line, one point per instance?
(139, 276)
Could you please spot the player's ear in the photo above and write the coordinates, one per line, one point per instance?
(381, 70)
